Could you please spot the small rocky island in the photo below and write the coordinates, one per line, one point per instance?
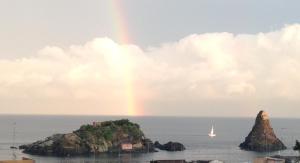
(170, 146)
(99, 137)
(262, 137)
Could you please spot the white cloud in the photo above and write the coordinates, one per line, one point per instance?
(206, 67)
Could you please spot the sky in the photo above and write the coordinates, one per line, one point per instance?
(140, 57)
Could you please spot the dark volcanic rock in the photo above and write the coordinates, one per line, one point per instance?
(101, 137)
(170, 146)
(262, 137)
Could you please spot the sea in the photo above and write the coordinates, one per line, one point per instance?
(190, 131)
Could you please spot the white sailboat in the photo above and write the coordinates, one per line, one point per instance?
(212, 134)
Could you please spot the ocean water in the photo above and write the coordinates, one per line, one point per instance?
(191, 131)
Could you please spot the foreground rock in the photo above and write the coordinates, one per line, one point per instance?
(100, 137)
(170, 146)
(262, 137)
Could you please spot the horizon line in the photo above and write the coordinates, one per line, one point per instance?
(167, 116)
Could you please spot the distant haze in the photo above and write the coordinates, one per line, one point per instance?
(202, 58)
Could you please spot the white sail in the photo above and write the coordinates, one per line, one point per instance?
(212, 134)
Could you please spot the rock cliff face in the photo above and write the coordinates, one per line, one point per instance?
(262, 137)
(109, 136)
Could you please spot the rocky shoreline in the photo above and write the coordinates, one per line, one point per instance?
(125, 136)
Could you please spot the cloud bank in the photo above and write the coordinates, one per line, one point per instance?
(202, 74)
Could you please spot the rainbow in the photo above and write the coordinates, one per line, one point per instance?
(120, 26)
(120, 29)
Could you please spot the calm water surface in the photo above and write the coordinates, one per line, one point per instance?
(192, 132)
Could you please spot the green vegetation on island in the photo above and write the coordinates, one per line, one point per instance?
(98, 137)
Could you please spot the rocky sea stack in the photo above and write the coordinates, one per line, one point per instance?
(262, 137)
(99, 137)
